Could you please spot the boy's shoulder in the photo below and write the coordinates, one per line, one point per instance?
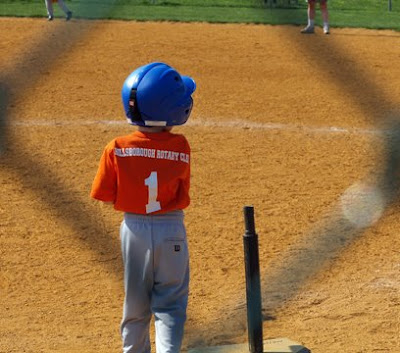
(177, 135)
(117, 142)
(179, 138)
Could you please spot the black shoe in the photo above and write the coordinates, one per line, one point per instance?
(69, 15)
(50, 18)
(307, 30)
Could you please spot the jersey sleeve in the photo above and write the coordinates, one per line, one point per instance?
(104, 187)
(184, 187)
(186, 177)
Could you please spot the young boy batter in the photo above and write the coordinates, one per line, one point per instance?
(146, 175)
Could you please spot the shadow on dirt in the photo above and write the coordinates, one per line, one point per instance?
(304, 260)
(336, 233)
(322, 245)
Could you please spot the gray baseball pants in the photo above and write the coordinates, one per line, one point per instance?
(156, 279)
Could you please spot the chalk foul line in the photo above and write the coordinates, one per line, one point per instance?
(198, 122)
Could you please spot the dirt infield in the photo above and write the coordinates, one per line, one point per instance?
(282, 121)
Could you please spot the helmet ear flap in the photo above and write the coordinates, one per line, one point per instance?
(133, 107)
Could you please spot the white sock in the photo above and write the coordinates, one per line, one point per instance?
(326, 25)
(311, 23)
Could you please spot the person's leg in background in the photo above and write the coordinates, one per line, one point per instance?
(311, 17)
(68, 13)
(49, 8)
(325, 15)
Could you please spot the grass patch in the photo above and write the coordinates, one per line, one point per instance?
(343, 13)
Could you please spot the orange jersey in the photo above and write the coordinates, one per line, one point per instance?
(145, 173)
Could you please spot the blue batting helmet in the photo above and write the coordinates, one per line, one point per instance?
(157, 95)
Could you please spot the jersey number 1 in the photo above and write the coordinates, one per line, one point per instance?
(152, 183)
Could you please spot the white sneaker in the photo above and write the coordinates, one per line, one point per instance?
(307, 30)
(326, 30)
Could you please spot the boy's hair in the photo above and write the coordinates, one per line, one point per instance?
(157, 95)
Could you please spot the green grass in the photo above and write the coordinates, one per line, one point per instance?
(343, 13)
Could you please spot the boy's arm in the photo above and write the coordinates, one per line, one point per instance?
(184, 186)
(104, 187)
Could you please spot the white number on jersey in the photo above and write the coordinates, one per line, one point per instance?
(152, 183)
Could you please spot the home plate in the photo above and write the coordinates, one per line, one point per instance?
(276, 345)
